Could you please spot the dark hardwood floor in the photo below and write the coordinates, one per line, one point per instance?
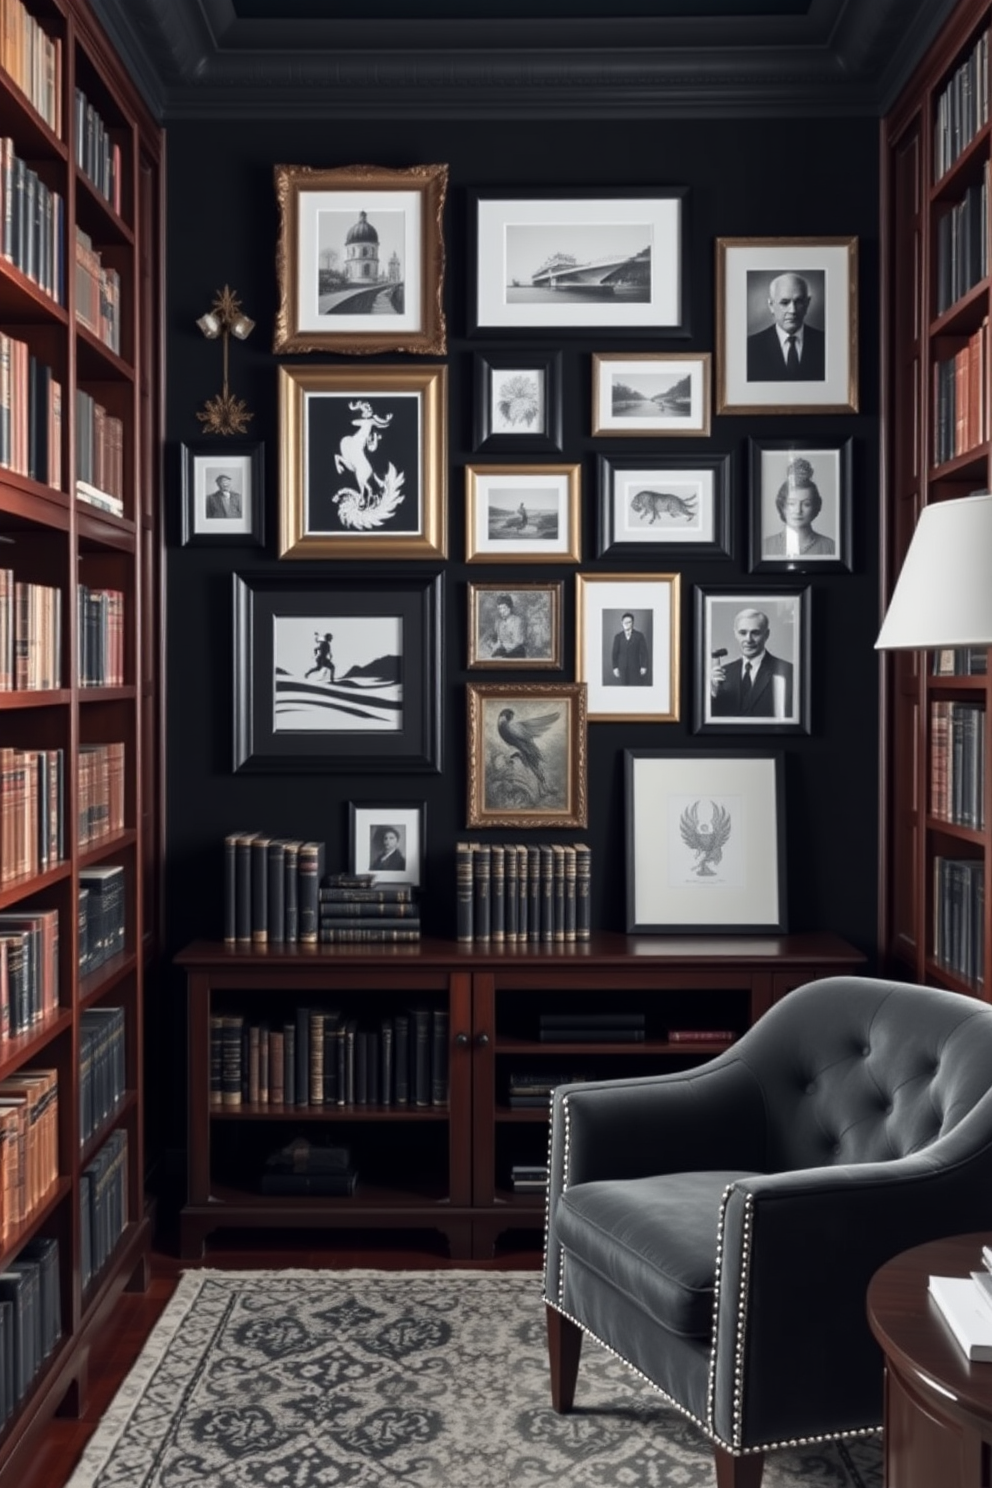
(136, 1313)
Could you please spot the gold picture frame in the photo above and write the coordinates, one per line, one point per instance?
(523, 513)
(378, 435)
(631, 671)
(360, 259)
(527, 755)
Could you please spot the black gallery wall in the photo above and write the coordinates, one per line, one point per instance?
(747, 177)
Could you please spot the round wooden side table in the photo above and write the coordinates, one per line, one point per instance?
(938, 1405)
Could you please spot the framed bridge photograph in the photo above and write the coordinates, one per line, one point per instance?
(360, 259)
(574, 261)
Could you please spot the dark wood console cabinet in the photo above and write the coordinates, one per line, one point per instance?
(448, 1168)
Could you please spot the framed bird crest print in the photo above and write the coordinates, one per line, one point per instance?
(527, 755)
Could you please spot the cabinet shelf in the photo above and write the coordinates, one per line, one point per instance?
(956, 830)
(92, 1145)
(17, 889)
(17, 1052)
(330, 1114)
(20, 699)
(966, 169)
(40, 1214)
(106, 977)
(965, 315)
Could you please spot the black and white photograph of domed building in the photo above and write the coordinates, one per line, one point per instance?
(360, 262)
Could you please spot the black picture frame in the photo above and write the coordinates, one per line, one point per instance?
(827, 466)
(275, 619)
(205, 462)
(487, 432)
(368, 820)
(781, 699)
(702, 482)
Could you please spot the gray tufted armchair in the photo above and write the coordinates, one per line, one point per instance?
(717, 1229)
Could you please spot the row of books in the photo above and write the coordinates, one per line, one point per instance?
(101, 637)
(33, 59)
(102, 915)
(515, 893)
(305, 1167)
(530, 1089)
(529, 1177)
(355, 909)
(99, 455)
(29, 969)
(961, 383)
(101, 792)
(30, 414)
(330, 1057)
(591, 1028)
(957, 763)
(960, 661)
(958, 912)
(29, 1144)
(102, 1068)
(962, 242)
(103, 1204)
(966, 1305)
(270, 889)
(98, 293)
(30, 1319)
(30, 635)
(32, 224)
(31, 811)
(97, 155)
(962, 108)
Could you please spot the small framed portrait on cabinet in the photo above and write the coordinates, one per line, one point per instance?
(387, 839)
(752, 672)
(800, 505)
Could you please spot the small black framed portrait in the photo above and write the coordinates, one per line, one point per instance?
(515, 626)
(801, 505)
(518, 402)
(222, 493)
(388, 839)
(752, 669)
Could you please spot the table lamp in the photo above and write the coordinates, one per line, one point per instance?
(943, 596)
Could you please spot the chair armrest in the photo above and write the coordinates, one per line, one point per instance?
(798, 1251)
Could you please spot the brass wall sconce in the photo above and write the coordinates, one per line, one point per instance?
(225, 414)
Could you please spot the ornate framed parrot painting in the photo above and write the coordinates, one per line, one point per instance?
(527, 755)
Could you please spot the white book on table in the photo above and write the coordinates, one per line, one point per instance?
(965, 1313)
(987, 1256)
(983, 1288)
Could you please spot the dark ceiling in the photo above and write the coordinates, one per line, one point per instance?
(529, 58)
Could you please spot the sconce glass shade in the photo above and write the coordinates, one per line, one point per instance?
(943, 596)
(210, 325)
(242, 327)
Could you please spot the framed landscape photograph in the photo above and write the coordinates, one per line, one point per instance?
(514, 626)
(752, 667)
(801, 505)
(527, 755)
(360, 259)
(705, 839)
(337, 673)
(362, 462)
(223, 498)
(627, 646)
(572, 261)
(522, 513)
(651, 393)
(678, 504)
(787, 325)
(518, 402)
(388, 839)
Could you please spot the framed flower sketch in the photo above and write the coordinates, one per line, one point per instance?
(515, 626)
(787, 325)
(705, 839)
(388, 839)
(752, 669)
(337, 672)
(522, 513)
(571, 261)
(360, 259)
(527, 755)
(223, 498)
(800, 504)
(678, 504)
(651, 393)
(518, 402)
(362, 462)
(627, 649)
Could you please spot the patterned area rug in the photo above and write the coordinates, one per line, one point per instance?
(427, 1379)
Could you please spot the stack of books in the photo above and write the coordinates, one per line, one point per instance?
(354, 909)
(270, 890)
(965, 1303)
(531, 1089)
(592, 1028)
(512, 893)
(529, 1177)
(301, 1167)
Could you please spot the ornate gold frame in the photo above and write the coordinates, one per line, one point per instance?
(573, 476)
(576, 811)
(431, 181)
(295, 382)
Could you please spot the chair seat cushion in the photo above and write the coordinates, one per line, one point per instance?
(652, 1238)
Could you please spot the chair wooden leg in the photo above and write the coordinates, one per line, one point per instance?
(564, 1346)
(738, 1472)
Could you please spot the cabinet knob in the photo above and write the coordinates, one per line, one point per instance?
(461, 1039)
(482, 1040)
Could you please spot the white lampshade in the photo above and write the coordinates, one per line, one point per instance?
(943, 596)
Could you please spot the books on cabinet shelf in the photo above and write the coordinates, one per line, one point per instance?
(522, 893)
(99, 455)
(98, 293)
(961, 382)
(102, 915)
(30, 635)
(271, 887)
(100, 791)
(32, 224)
(103, 1204)
(962, 108)
(101, 637)
(97, 155)
(32, 793)
(29, 969)
(958, 916)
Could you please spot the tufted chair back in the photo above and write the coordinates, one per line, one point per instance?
(854, 1071)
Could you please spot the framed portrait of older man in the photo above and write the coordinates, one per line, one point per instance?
(787, 325)
(752, 668)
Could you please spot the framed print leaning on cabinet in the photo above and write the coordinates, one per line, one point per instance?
(514, 626)
(527, 755)
(522, 513)
(362, 462)
(627, 649)
(677, 504)
(752, 666)
(387, 838)
(800, 505)
(223, 496)
(705, 842)
(651, 393)
(571, 260)
(360, 260)
(787, 325)
(518, 402)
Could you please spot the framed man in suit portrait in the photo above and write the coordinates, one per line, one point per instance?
(752, 664)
